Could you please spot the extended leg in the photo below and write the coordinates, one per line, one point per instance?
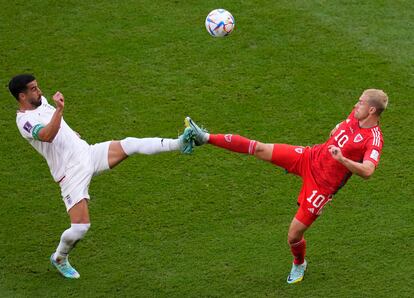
(120, 150)
(235, 143)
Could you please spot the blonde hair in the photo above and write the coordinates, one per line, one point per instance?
(377, 99)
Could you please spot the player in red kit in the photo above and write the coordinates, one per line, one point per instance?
(354, 147)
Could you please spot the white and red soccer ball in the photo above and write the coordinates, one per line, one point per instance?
(219, 23)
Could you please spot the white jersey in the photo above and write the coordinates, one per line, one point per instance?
(63, 151)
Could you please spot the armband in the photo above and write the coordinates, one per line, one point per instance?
(36, 130)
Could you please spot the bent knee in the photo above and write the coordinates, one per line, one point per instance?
(294, 237)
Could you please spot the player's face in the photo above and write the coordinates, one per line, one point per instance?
(33, 95)
(362, 108)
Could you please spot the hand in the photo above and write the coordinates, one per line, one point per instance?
(336, 153)
(59, 100)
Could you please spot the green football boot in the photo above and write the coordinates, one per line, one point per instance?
(187, 140)
(200, 134)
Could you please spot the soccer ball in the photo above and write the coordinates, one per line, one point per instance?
(219, 23)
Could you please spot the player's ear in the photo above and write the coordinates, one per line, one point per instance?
(22, 96)
(372, 110)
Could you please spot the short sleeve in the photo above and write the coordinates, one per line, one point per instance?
(29, 126)
(373, 149)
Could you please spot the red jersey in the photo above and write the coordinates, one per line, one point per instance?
(356, 143)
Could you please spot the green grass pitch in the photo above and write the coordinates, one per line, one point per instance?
(212, 224)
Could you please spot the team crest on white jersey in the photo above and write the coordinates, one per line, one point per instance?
(358, 138)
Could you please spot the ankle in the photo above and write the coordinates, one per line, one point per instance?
(59, 258)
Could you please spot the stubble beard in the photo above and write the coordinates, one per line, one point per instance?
(36, 102)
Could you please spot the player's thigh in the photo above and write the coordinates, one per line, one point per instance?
(116, 154)
(75, 184)
(289, 157)
(106, 155)
(311, 201)
(79, 213)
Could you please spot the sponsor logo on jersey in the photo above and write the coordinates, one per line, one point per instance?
(358, 138)
(351, 129)
(374, 155)
(299, 150)
(311, 210)
(27, 127)
(228, 138)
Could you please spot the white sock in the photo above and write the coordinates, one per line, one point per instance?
(149, 145)
(69, 238)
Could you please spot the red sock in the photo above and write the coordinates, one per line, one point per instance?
(234, 143)
(298, 250)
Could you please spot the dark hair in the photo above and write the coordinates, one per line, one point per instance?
(18, 84)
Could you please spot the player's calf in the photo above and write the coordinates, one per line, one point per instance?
(235, 143)
(69, 239)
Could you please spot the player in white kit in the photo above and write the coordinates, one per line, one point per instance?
(71, 160)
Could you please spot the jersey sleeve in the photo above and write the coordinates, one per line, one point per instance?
(29, 126)
(374, 148)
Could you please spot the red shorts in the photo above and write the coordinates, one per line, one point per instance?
(311, 199)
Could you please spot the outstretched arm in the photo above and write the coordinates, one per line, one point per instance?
(364, 169)
(49, 132)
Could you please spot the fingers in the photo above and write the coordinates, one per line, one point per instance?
(59, 100)
(333, 150)
(58, 96)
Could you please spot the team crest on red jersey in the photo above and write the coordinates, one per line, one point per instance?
(228, 138)
(299, 150)
(358, 138)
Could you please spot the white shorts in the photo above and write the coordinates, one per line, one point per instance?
(75, 184)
